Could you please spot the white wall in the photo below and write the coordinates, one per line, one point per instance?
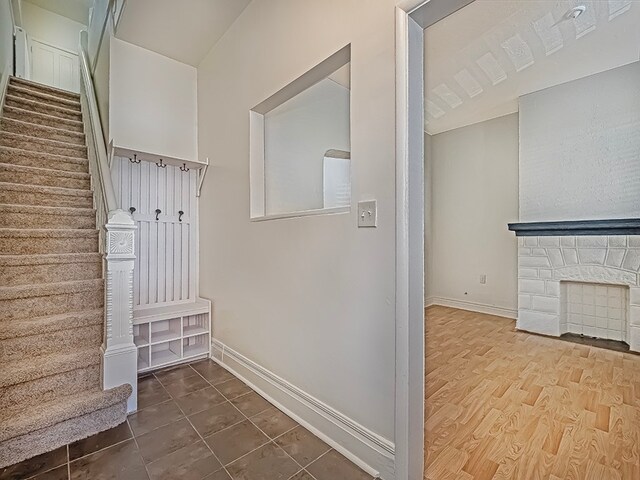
(474, 194)
(580, 149)
(312, 298)
(152, 101)
(6, 42)
(297, 135)
(50, 27)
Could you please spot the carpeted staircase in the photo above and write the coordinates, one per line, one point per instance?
(51, 287)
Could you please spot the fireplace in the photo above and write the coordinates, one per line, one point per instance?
(576, 277)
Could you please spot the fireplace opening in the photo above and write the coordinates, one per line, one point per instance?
(595, 310)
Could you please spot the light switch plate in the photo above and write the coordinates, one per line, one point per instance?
(367, 214)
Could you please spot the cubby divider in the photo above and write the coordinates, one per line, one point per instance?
(171, 334)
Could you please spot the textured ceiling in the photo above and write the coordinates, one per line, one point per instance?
(479, 60)
(184, 30)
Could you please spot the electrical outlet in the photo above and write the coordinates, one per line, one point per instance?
(367, 214)
(483, 279)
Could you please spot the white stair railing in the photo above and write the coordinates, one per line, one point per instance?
(116, 243)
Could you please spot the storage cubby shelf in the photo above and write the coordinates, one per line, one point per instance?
(190, 331)
(171, 334)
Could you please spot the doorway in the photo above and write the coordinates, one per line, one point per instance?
(54, 66)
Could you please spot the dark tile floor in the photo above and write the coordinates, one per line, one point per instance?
(195, 422)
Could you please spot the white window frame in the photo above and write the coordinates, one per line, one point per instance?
(257, 188)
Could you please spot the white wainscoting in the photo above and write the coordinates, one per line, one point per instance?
(166, 249)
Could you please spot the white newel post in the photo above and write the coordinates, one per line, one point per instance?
(119, 351)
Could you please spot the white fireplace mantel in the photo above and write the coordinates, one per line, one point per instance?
(544, 262)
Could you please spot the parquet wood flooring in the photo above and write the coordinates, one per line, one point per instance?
(502, 404)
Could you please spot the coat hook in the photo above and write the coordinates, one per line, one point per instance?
(135, 159)
(161, 165)
(184, 167)
(180, 213)
(132, 209)
(158, 212)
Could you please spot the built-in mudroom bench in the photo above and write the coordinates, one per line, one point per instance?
(171, 323)
(167, 335)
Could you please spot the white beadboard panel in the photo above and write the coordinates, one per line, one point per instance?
(165, 265)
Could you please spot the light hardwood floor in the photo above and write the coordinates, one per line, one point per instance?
(503, 404)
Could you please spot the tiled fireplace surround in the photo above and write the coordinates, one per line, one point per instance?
(545, 263)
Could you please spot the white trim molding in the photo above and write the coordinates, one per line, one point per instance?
(473, 307)
(368, 450)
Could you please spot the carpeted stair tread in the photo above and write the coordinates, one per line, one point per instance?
(14, 373)
(62, 341)
(29, 129)
(49, 268)
(48, 259)
(50, 161)
(45, 171)
(21, 82)
(47, 289)
(43, 119)
(46, 145)
(35, 106)
(50, 323)
(69, 431)
(40, 96)
(50, 217)
(19, 241)
(74, 405)
(40, 210)
(47, 177)
(48, 388)
(47, 233)
(44, 195)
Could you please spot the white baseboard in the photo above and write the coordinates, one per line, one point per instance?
(371, 452)
(472, 306)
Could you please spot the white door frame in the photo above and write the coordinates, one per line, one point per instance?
(412, 17)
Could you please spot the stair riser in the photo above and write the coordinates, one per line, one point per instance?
(42, 108)
(29, 178)
(44, 199)
(47, 100)
(48, 388)
(51, 304)
(50, 273)
(45, 147)
(66, 341)
(33, 159)
(31, 220)
(55, 122)
(45, 89)
(40, 246)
